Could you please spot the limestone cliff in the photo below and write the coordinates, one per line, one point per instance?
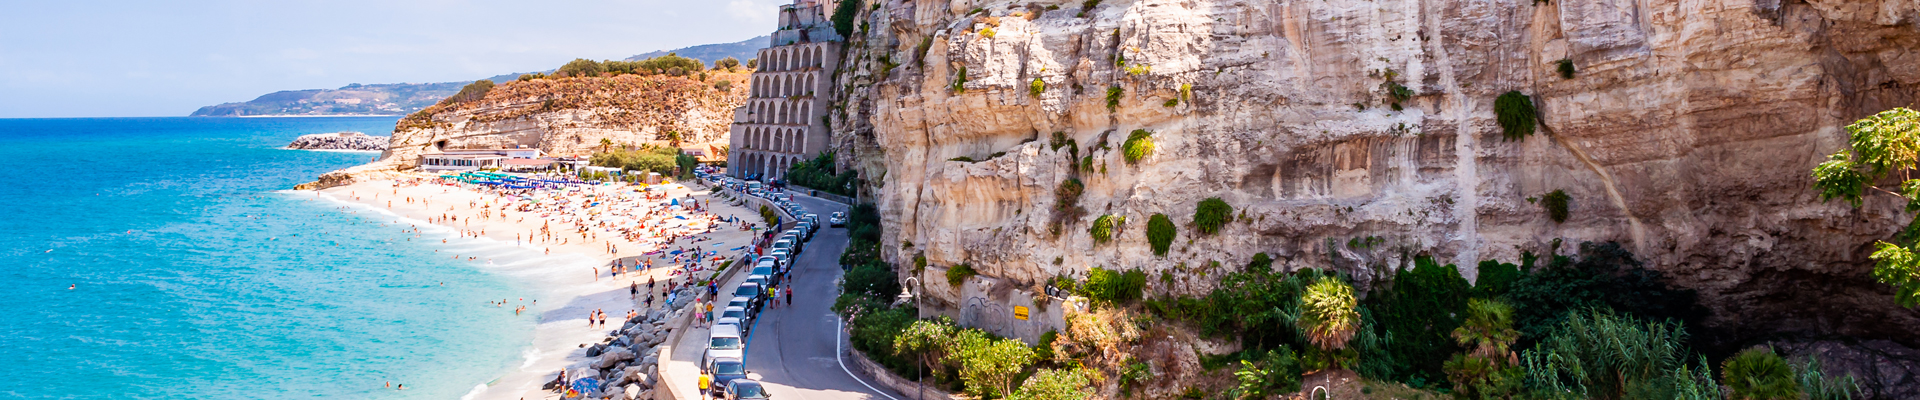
(567, 117)
(1686, 131)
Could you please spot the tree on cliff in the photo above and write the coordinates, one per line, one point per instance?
(581, 67)
(1880, 144)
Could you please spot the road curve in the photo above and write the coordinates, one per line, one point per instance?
(793, 348)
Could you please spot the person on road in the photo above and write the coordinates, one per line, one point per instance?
(789, 296)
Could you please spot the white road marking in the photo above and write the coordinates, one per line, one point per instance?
(838, 356)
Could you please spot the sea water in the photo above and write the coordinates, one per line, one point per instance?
(165, 258)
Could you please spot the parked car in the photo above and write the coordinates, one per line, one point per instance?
(724, 371)
(743, 389)
(724, 341)
(739, 317)
(838, 220)
(751, 292)
(744, 305)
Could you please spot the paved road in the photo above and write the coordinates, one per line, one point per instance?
(792, 348)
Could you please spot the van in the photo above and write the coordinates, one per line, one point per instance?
(725, 341)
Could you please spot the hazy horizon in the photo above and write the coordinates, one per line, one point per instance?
(136, 59)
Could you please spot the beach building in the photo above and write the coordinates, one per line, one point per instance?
(784, 120)
(479, 159)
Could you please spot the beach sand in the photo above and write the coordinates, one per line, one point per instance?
(564, 275)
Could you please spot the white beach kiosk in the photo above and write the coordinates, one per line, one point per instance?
(475, 159)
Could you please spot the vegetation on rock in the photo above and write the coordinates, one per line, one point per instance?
(843, 16)
(1328, 314)
(1102, 230)
(1556, 203)
(1038, 86)
(1160, 233)
(1109, 287)
(1113, 97)
(1759, 374)
(958, 274)
(1516, 115)
(1139, 144)
(1212, 214)
(1566, 68)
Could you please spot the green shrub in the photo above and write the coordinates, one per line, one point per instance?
(818, 173)
(1556, 205)
(1261, 263)
(1566, 68)
(1171, 103)
(961, 159)
(1059, 140)
(1759, 374)
(1814, 382)
(958, 274)
(1186, 92)
(1604, 276)
(988, 32)
(1160, 233)
(1420, 309)
(770, 216)
(873, 279)
(1601, 355)
(473, 91)
(1055, 384)
(1139, 144)
(843, 17)
(1277, 372)
(1396, 93)
(1036, 88)
(1139, 69)
(960, 81)
(727, 63)
(1212, 214)
(581, 68)
(1102, 229)
(1109, 287)
(1516, 115)
(1086, 6)
(1494, 279)
(1066, 197)
(1113, 97)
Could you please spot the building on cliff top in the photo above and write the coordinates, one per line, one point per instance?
(782, 122)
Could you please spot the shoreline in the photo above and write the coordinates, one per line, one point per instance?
(573, 276)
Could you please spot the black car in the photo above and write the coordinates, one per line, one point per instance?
(725, 370)
(753, 293)
(743, 389)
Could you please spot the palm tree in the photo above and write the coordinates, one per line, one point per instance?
(605, 144)
(1327, 314)
(1489, 328)
(1759, 374)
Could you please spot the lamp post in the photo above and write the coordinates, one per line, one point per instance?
(919, 368)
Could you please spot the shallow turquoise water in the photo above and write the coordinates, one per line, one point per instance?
(199, 276)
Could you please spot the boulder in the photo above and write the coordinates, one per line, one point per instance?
(595, 350)
(612, 357)
(634, 391)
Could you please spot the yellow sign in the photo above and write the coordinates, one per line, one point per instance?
(1020, 313)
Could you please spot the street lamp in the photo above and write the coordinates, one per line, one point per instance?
(919, 369)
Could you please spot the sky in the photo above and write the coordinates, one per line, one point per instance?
(88, 58)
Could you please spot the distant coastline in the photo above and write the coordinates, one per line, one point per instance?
(313, 116)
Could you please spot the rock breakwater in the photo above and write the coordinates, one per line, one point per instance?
(339, 141)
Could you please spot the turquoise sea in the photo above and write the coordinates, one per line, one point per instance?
(197, 275)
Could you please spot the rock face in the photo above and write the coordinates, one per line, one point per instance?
(339, 141)
(1685, 131)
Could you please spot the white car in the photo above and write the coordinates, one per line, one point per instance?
(725, 341)
(839, 219)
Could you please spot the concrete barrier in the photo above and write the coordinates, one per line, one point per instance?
(906, 387)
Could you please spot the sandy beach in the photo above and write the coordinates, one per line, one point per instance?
(562, 245)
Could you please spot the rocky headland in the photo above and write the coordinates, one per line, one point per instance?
(339, 141)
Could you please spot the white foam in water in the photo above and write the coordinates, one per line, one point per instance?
(477, 389)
